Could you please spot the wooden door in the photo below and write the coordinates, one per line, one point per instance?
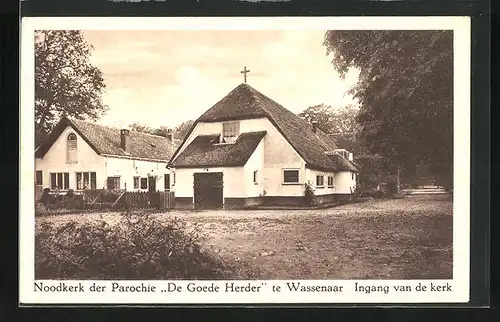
(208, 190)
(152, 183)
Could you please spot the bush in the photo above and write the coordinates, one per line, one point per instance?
(138, 247)
(308, 194)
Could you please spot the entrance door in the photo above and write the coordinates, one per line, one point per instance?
(208, 189)
(152, 183)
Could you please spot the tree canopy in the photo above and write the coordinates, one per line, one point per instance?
(332, 120)
(405, 92)
(179, 132)
(66, 82)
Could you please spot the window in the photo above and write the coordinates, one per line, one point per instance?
(230, 131)
(85, 180)
(255, 177)
(167, 181)
(59, 181)
(353, 175)
(72, 147)
(144, 183)
(330, 181)
(93, 181)
(320, 181)
(136, 182)
(290, 176)
(173, 178)
(113, 183)
(53, 184)
(79, 183)
(39, 178)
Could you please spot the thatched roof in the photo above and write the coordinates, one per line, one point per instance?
(106, 141)
(244, 102)
(202, 152)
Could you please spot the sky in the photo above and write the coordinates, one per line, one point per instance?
(162, 78)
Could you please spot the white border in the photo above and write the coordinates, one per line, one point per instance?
(461, 202)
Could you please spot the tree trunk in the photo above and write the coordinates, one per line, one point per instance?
(398, 179)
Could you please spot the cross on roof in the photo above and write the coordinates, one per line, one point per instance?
(244, 72)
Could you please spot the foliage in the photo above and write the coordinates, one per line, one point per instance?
(405, 91)
(66, 83)
(179, 131)
(138, 247)
(332, 120)
(308, 193)
(69, 200)
(341, 124)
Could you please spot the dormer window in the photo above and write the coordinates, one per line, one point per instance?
(230, 131)
(346, 154)
(71, 145)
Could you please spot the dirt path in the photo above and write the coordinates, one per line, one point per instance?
(383, 239)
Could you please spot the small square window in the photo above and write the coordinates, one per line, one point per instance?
(290, 176)
(113, 183)
(230, 131)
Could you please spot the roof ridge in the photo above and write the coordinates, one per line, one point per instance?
(115, 128)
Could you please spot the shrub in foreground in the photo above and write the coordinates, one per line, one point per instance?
(138, 247)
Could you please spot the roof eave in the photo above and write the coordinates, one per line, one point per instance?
(198, 166)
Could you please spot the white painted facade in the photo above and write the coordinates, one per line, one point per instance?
(273, 155)
(346, 182)
(87, 160)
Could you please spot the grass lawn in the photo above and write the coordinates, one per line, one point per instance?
(408, 238)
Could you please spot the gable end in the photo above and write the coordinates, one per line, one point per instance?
(42, 150)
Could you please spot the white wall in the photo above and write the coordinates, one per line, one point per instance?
(255, 163)
(279, 155)
(344, 182)
(89, 161)
(127, 169)
(232, 178)
(311, 178)
(55, 161)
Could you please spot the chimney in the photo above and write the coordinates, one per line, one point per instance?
(351, 157)
(170, 135)
(315, 126)
(123, 138)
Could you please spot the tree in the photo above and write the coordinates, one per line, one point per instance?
(342, 126)
(182, 129)
(141, 128)
(330, 120)
(405, 91)
(179, 131)
(66, 83)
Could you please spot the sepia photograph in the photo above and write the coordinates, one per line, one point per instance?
(244, 154)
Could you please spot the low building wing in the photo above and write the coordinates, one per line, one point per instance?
(107, 141)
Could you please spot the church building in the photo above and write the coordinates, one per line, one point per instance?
(248, 150)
